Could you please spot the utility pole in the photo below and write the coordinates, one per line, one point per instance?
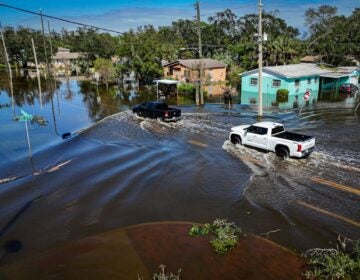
(37, 72)
(51, 49)
(260, 38)
(43, 33)
(9, 67)
(200, 53)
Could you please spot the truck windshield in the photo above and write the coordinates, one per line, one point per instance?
(277, 129)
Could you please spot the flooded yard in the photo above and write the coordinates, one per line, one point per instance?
(119, 170)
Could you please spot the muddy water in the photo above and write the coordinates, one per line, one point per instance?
(126, 170)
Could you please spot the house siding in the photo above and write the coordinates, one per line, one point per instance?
(249, 93)
(178, 73)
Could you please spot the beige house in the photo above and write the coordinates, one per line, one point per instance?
(187, 70)
(64, 61)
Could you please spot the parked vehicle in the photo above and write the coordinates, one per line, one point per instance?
(272, 137)
(157, 110)
(348, 88)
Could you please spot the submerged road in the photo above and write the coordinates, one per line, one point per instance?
(127, 170)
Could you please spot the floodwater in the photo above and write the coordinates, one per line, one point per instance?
(119, 170)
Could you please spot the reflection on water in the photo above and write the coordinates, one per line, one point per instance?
(68, 105)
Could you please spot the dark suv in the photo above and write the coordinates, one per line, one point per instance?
(348, 88)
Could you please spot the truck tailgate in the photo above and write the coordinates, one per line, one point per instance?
(175, 113)
(308, 144)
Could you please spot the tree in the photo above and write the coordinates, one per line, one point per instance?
(318, 19)
(335, 38)
(106, 70)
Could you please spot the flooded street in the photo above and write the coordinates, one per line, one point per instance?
(120, 170)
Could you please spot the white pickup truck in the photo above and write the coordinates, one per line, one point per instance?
(273, 137)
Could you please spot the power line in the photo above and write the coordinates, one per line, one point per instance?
(60, 19)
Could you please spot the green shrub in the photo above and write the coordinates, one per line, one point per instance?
(186, 88)
(225, 234)
(282, 95)
(339, 263)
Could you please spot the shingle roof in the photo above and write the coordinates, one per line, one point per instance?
(60, 49)
(297, 70)
(311, 58)
(347, 69)
(60, 55)
(292, 70)
(194, 63)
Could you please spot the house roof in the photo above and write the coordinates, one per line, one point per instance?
(347, 69)
(67, 55)
(311, 58)
(166, 82)
(334, 75)
(207, 63)
(60, 49)
(292, 70)
(164, 62)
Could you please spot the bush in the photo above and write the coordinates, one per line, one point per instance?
(282, 95)
(225, 235)
(186, 88)
(339, 263)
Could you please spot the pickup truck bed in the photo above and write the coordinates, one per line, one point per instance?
(292, 136)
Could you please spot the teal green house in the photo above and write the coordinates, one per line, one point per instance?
(297, 79)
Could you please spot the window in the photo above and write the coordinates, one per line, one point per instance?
(257, 130)
(297, 83)
(253, 81)
(309, 81)
(187, 73)
(276, 83)
(262, 130)
(277, 129)
(315, 80)
(252, 129)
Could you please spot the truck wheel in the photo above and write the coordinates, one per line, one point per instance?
(235, 139)
(282, 152)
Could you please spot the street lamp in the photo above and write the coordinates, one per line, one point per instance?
(200, 76)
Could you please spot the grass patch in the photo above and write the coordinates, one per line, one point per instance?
(343, 262)
(225, 235)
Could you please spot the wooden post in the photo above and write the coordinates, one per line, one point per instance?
(37, 71)
(200, 53)
(29, 146)
(157, 91)
(28, 139)
(43, 33)
(51, 49)
(9, 68)
(260, 36)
